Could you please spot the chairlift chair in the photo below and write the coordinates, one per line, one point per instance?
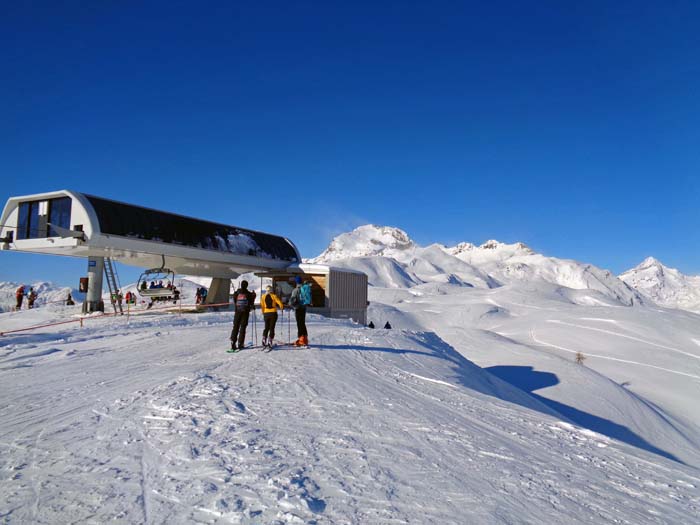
(156, 275)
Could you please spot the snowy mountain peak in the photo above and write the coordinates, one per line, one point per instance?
(665, 286)
(459, 248)
(490, 251)
(517, 248)
(365, 241)
(490, 245)
(496, 245)
(648, 263)
(392, 260)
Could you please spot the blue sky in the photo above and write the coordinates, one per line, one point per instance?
(574, 128)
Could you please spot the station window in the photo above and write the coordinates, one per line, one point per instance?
(28, 224)
(34, 217)
(59, 214)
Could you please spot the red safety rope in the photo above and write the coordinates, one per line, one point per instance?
(90, 318)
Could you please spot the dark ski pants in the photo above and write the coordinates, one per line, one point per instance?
(300, 315)
(19, 302)
(240, 323)
(270, 322)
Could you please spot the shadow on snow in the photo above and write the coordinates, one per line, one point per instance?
(529, 380)
(524, 378)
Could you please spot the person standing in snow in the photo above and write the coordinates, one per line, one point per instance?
(387, 326)
(269, 303)
(300, 300)
(244, 301)
(19, 295)
(31, 298)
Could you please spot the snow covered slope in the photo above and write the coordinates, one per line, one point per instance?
(152, 422)
(642, 367)
(665, 286)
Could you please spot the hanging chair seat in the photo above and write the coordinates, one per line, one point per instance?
(156, 292)
(155, 275)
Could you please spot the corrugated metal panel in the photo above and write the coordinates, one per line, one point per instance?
(347, 291)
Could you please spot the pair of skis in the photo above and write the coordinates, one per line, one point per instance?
(265, 348)
(235, 350)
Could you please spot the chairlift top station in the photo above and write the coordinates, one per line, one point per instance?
(81, 225)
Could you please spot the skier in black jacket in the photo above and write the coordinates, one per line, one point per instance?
(244, 300)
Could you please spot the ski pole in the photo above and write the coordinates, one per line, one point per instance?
(255, 327)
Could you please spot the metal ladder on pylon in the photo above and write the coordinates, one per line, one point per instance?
(113, 285)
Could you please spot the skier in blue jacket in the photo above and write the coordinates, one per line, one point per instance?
(300, 300)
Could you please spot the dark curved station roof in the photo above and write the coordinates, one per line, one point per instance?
(128, 220)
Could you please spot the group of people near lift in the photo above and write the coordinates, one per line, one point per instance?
(119, 297)
(21, 293)
(201, 295)
(270, 304)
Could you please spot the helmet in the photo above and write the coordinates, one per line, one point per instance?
(297, 279)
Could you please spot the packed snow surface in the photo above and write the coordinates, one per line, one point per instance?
(151, 421)
(472, 409)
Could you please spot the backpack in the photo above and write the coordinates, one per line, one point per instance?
(269, 303)
(242, 303)
(305, 295)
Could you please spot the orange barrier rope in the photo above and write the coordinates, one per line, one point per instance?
(90, 318)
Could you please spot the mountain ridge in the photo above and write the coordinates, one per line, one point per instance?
(489, 265)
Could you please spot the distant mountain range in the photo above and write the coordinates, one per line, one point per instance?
(392, 259)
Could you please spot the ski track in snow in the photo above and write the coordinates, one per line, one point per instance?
(617, 334)
(611, 321)
(608, 358)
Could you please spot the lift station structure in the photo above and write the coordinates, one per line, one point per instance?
(80, 225)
